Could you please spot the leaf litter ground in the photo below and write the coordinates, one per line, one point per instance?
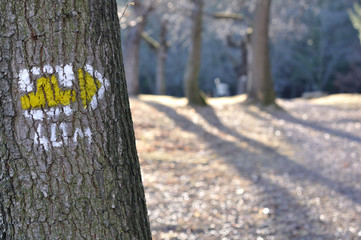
(235, 171)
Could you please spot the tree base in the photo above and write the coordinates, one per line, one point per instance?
(270, 105)
(198, 100)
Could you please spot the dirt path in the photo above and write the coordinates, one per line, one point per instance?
(232, 171)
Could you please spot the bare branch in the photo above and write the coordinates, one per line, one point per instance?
(150, 41)
(228, 15)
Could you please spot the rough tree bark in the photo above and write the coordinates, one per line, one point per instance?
(260, 84)
(68, 161)
(132, 45)
(191, 86)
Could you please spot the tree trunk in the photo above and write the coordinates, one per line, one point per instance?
(244, 69)
(162, 57)
(132, 45)
(260, 84)
(355, 17)
(68, 162)
(191, 87)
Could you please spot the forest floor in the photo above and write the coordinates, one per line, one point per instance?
(235, 171)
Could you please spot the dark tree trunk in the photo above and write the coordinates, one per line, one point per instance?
(68, 162)
(260, 84)
(191, 85)
(244, 70)
(162, 57)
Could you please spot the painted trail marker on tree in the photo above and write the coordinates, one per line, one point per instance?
(88, 87)
(53, 97)
(48, 93)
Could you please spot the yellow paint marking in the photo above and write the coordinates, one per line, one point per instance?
(88, 87)
(47, 93)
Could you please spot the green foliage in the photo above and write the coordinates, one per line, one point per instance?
(355, 17)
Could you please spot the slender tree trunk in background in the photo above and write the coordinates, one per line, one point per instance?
(191, 85)
(132, 45)
(355, 17)
(162, 51)
(244, 71)
(260, 84)
(68, 162)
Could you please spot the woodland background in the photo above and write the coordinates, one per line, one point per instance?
(233, 170)
(314, 46)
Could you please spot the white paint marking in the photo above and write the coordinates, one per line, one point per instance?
(57, 111)
(35, 114)
(50, 113)
(89, 69)
(101, 91)
(53, 136)
(67, 110)
(39, 139)
(77, 133)
(48, 69)
(66, 75)
(36, 71)
(24, 81)
(88, 134)
(27, 115)
(63, 128)
(94, 103)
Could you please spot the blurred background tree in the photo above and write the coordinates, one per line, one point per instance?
(260, 84)
(135, 27)
(356, 18)
(191, 75)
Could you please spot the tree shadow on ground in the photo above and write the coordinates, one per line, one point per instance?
(250, 165)
(284, 115)
(297, 171)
